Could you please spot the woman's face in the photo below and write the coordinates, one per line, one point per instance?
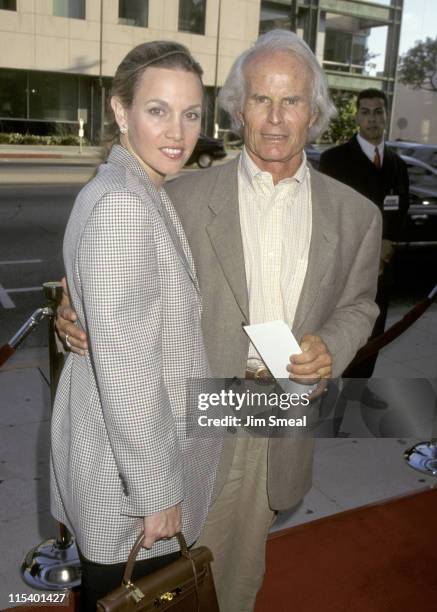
(163, 122)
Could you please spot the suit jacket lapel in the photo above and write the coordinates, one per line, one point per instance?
(359, 156)
(224, 232)
(324, 239)
(225, 235)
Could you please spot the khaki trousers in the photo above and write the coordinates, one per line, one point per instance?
(237, 527)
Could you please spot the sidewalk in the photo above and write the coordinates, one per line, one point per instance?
(53, 165)
(35, 152)
(347, 472)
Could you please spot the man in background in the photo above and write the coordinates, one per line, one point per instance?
(367, 165)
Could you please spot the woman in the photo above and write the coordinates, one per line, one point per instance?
(121, 463)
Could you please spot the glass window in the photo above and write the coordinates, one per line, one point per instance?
(13, 85)
(415, 171)
(345, 51)
(376, 49)
(338, 47)
(134, 12)
(75, 9)
(53, 97)
(192, 16)
(274, 15)
(8, 5)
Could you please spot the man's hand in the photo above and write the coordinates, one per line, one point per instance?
(314, 362)
(162, 525)
(65, 324)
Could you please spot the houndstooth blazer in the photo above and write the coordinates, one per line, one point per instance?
(119, 449)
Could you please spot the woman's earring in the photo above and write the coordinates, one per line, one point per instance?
(123, 130)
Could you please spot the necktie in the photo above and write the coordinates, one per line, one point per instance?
(377, 158)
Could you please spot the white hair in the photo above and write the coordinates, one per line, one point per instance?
(233, 92)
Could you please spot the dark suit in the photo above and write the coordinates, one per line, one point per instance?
(349, 164)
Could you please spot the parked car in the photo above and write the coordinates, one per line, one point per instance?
(421, 226)
(206, 151)
(422, 176)
(423, 152)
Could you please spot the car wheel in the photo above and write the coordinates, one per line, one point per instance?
(204, 160)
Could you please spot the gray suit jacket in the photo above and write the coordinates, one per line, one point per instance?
(337, 299)
(119, 447)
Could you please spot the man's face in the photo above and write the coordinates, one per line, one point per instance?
(371, 119)
(277, 112)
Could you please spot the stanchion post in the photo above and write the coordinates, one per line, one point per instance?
(423, 457)
(53, 295)
(54, 564)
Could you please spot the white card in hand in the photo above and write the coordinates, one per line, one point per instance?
(275, 343)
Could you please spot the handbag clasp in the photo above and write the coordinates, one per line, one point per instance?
(168, 596)
(134, 591)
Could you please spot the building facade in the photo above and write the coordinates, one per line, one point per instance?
(58, 56)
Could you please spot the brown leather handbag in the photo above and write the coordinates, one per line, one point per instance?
(185, 585)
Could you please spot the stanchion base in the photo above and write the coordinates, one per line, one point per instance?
(423, 457)
(52, 566)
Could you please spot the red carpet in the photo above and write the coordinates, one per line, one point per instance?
(379, 558)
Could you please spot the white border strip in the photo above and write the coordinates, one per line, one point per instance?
(23, 289)
(20, 261)
(5, 300)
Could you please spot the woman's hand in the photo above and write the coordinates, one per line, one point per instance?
(162, 525)
(65, 321)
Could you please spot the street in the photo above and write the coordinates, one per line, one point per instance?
(32, 223)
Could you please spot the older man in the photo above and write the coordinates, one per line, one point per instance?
(272, 239)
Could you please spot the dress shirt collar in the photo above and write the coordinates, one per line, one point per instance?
(251, 174)
(369, 149)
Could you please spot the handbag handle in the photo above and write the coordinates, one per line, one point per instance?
(127, 576)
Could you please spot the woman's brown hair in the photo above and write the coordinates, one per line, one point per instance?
(159, 54)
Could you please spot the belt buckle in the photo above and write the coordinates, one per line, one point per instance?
(258, 371)
(262, 374)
